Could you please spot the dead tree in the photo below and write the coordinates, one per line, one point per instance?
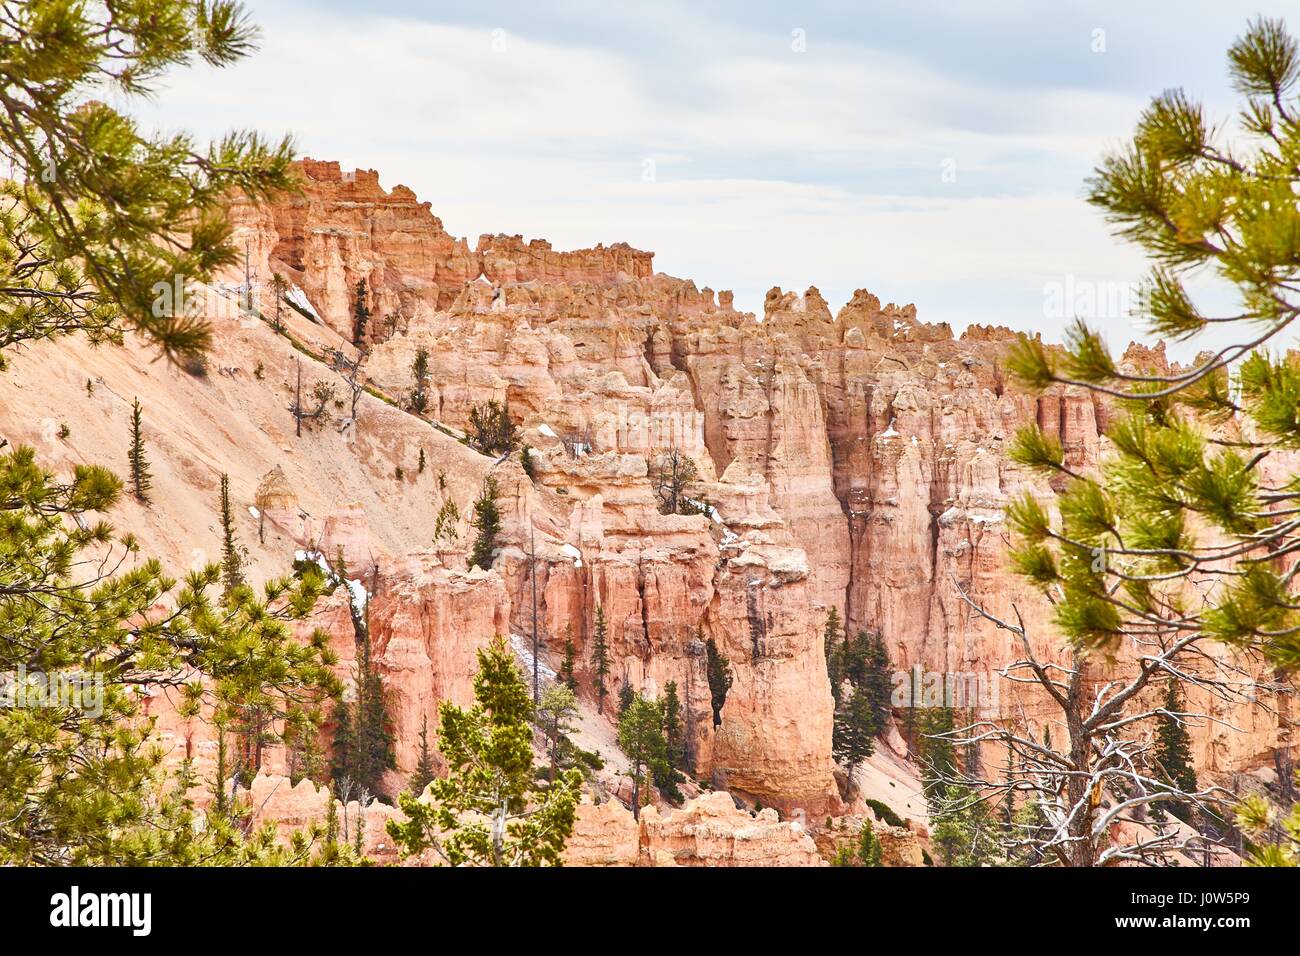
(1105, 773)
(322, 393)
(350, 369)
(670, 473)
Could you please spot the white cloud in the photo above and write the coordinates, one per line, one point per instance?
(771, 167)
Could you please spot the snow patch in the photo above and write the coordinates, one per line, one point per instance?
(299, 298)
(547, 430)
(523, 647)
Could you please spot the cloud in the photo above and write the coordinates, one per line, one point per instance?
(769, 166)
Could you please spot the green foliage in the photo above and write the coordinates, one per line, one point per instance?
(1274, 840)
(600, 658)
(1150, 526)
(487, 522)
(670, 474)
(137, 458)
(420, 375)
(567, 670)
(232, 555)
(718, 671)
(102, 228)
(641, 737)
(1174, 748)
(491, 429)
(885, 814)
(674, 730)
(862, 714)
(528, 463)
(489, 811)
(360, 314)
(444, 528)
(363, 735)
(557, 708)
(82, 769)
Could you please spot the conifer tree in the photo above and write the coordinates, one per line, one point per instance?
(424, 774)
(232, 555)
(718, 671)
(279, 289)
(568, 674)
(600, 658)
(96, 790)
(141, 479)
(487, 522)
(625, 697)
(832, 634)
(674, 728)
(360, 314)
(489, 811)
(420, 375)
(641, 737)
(557, 708)
(1174, 746)
(96, 214)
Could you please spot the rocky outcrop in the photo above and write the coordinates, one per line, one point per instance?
(707, 831)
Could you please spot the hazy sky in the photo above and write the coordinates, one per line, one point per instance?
(932, 152)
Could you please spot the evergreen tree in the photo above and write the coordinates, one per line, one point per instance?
(718, 672)
(567, 670)
(423, 775)
(556, 709)
(600, 658)
(641, 737)
(420, 373)
(360, 314)
(488, 811)
(232, 555)
(487, 522)
(491, 429)
(279, 289)
(674, 728)
(866, 851)
(90, 210)
(831, 636)
(625, 698)
(670, 473)
(854, 733)
(141, 479)
(96, 790)
(1174, 748)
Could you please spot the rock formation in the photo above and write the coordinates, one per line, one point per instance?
(853, 460)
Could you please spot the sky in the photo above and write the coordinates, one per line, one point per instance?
(931, 151)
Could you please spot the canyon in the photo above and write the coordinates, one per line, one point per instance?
(853, 460)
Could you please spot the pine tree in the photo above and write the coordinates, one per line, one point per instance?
(488, 810)
(600, 658)
(279, 289)
(360, 314)
(343, 760)
(90, 211)
(96, 791)
(641, 737)
(567, 670)
(1174, 748)
(141, 479)
(232, 556)
(831, 637)
(674, 728)
(420, 373)
(487, 522)
(718, 671)
(625, 697)
(424, 774)
(556, 709)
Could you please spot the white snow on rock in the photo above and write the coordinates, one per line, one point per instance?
(254, 512)
(547, 430)
(360, 596)
(299, 298)
(523, 647)
(891, 431)
(570, 551)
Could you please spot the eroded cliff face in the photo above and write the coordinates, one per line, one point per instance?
(853, 460)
